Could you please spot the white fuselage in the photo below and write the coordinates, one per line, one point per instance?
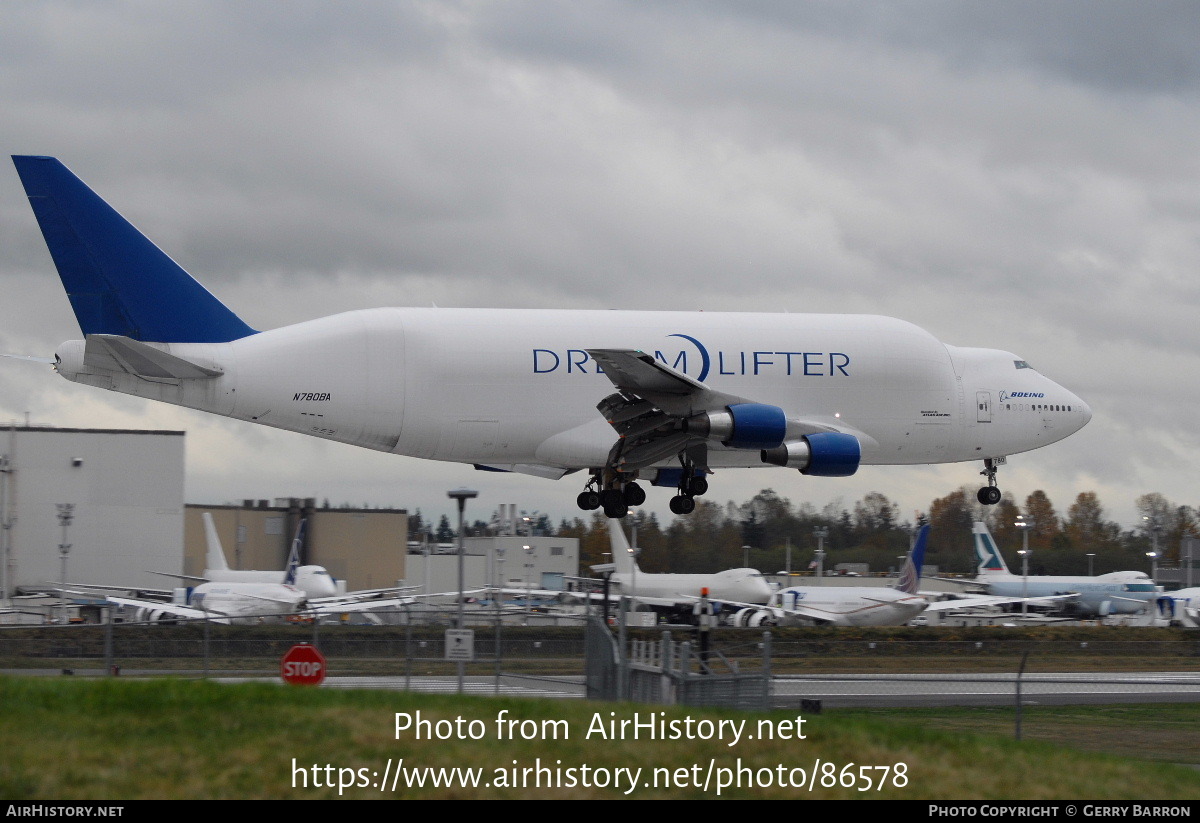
(516, 388)
(313, 581)
(731, 585)
(848, 606)
(1114, 593)
(247, 599)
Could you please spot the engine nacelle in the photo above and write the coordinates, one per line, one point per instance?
(826, 454)
(754, 618)
(741, 426)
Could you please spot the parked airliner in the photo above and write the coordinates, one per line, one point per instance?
(1180, 608)
(679, 591)
(845, 605)
(1125, 592)
(314, 581)
(628, 398)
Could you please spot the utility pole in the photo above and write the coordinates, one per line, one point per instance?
(66, 513)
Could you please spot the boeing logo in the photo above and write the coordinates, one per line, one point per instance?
(1006, 395)
(699, 363)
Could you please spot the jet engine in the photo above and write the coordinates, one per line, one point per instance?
(741, 426)
(826, 454)
(753, 618)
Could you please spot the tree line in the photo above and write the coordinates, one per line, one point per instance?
(873, 531)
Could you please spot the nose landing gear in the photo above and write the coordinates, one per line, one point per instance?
(990, 494)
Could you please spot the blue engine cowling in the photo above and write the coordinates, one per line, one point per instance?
(826, 454)
(742, 426)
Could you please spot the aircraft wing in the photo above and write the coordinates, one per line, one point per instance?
(191, 577)
(347, 607)
(777, 611)
(169, 608)
(92, 589)
(967, 603)
(340, 605)
(366, 595)
(653, 404)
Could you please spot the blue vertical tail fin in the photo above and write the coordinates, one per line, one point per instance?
(910, 575)
(293, 563)
(118, 281)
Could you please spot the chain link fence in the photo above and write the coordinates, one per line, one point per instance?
(804, 668)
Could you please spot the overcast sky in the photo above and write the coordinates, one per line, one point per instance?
(1017, 175)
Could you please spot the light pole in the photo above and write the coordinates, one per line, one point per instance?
(1024, 525)
(1091, 556)
(528, 579)
(461, 496)
(1189, 540)
(1153, 567)
(1024, 581)
(66, 513)
(500, 569)
(634, 551)
(821, 532)
(745, 557)
(6, 522)
(1155, 528)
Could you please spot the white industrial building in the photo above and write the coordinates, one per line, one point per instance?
(508, 561)
(126, 492)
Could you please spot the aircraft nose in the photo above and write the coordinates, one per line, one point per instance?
(1084, 409)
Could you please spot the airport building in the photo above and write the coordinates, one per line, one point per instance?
(507, 561)
(368, 549)
(125, 490)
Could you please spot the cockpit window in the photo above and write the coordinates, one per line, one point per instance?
(1021, 364)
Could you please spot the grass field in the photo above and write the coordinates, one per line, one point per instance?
(122, 739)
(1168, 733)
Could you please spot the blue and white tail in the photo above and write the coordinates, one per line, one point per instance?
(293, 563)
(118, 281)
(910, 574)
(990, 561)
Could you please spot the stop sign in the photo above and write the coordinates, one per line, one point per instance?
(303, 665)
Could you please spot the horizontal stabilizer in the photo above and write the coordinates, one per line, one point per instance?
(112, 352)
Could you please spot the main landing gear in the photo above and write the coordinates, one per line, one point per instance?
(619, 492)
(615, 497)
(990, 494)
(690, 487)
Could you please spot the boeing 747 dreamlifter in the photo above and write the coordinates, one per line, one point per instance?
(627, 398)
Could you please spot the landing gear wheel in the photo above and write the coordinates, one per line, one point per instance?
(634, 494)
(617, 511)
(989, 495)
(588, 501)
(610, 498)
(682, 504)
(698, 486)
